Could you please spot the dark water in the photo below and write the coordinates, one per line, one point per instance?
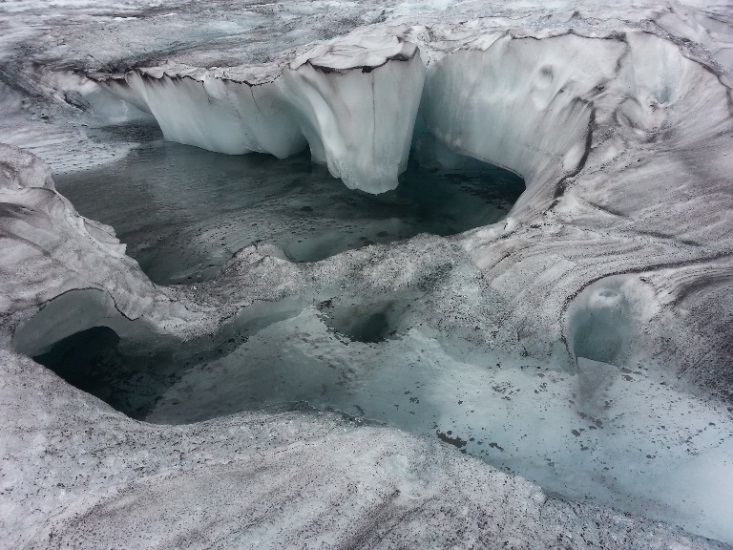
(184, 211)
(93, 362)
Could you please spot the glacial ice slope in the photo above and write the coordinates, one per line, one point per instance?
(266, 480)
(617, 257)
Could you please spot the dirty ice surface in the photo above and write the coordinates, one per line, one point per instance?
(629, 437)
(618, 116)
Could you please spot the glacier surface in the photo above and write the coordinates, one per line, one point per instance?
(578, 351)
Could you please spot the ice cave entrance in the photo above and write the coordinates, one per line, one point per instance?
(184, 211)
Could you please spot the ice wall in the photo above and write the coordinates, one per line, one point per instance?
(220, 110)
(647, 118)
(521, 103)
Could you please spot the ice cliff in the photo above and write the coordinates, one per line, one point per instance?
(590, 330)
(340, 97)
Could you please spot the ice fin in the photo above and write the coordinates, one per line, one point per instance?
(357, 107)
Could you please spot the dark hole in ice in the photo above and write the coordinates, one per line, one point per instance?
(368, 323)
(370, 328)
(184, 211)
(82, 358)
(92, 361)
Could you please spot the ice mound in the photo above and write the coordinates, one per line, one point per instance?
(29, 201)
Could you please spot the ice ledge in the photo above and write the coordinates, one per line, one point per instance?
(371, 52)
(353, 104)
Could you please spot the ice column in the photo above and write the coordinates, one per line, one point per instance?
(356, 106)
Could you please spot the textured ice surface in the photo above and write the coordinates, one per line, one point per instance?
(612, 274)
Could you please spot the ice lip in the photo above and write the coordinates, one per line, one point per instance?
(373, 52)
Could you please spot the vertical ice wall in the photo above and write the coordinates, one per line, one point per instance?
(357, 106)
(521, 103)
(214, 109)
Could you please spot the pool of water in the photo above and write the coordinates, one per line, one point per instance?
(184, 211)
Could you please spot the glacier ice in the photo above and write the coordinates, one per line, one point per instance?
(381, 359)
(584, 340)
(223, 111)
(354, 104)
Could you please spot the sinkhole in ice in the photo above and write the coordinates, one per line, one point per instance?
(184, 211)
